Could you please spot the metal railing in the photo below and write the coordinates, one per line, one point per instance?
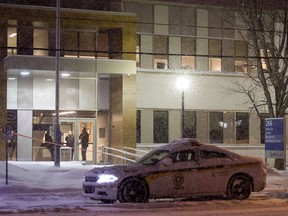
(109, 155)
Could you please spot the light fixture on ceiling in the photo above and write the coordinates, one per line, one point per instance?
(65, 75)
(12, 35)
(25, 73)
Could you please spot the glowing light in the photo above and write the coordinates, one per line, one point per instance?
(107, 178)
(182, 83)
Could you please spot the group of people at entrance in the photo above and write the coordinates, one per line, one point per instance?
(69, 139)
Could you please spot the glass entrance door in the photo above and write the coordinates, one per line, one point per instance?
(75, 127)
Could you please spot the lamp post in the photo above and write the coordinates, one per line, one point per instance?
(182, 84)
(57, 138)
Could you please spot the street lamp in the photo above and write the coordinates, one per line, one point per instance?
(182, 84)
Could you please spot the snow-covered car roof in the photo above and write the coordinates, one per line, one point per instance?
(191, 142)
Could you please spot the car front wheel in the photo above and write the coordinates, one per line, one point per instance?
(133, 190)
(239, 187)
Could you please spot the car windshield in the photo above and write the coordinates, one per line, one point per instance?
(152, 157)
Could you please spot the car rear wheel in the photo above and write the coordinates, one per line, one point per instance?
(133, 190)
(239, 187)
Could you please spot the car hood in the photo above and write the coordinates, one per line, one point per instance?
(117, 169)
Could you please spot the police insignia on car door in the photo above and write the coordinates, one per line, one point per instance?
(178, 181)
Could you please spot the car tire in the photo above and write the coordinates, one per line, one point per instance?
(239, 187)
(133, 190)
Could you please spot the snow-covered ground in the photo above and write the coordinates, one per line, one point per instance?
(40, 187)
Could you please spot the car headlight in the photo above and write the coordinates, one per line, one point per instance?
(106, 178)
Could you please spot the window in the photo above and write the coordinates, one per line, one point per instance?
(187, 155)
(160, 63)
(102, 45)
(138, 64)
(160, 48)
(215, 52)
(216, 125)
(160, 127)
(240, 53)
(215, 64)
(241, 66)
(12, 37)
(242, 128)
(40, 39)
(204, 154)
(189, 130)
(188, 52)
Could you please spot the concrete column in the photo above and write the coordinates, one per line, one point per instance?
(25, 126)
(123, 111)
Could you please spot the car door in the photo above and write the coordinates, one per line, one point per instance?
(175, 179)
(214, 172)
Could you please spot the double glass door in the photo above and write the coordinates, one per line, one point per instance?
(76, 126)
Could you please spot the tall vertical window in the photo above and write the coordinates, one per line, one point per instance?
(188, 53)
(102, 45)
(87, 44)
(216, 126)
(12, 37)
(160, 126)
(240, 53)
(160, 47)
(242, 128)
(138, 64)
(189, 130)
(40, 39)
(138, 126)
(215, 52)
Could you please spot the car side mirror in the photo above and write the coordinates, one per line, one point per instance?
(167, 162)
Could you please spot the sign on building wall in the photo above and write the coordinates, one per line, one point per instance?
(275, 138)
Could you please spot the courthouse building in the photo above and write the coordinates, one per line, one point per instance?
(119, 66)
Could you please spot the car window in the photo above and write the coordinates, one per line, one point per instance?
(186, 155)
(204, 154)
(153, 157)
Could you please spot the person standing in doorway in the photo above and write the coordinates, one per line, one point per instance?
(49, 143)
(70, 142)
(83, 140)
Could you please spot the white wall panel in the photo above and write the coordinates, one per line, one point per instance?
(161, 19)
(87, 94)
(69, 94)
(12, 94)
(103, 95)
(208, 92)
(202, 22)
(43, 94)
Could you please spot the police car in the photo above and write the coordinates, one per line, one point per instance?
(184, 168)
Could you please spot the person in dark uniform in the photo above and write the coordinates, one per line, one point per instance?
(49, 144)
(83, 140)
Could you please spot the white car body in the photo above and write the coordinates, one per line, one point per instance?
(207, 170)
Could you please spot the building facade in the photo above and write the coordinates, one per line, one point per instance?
(120, 61)
(97, 86)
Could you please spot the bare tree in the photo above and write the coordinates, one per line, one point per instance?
(266, 23)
